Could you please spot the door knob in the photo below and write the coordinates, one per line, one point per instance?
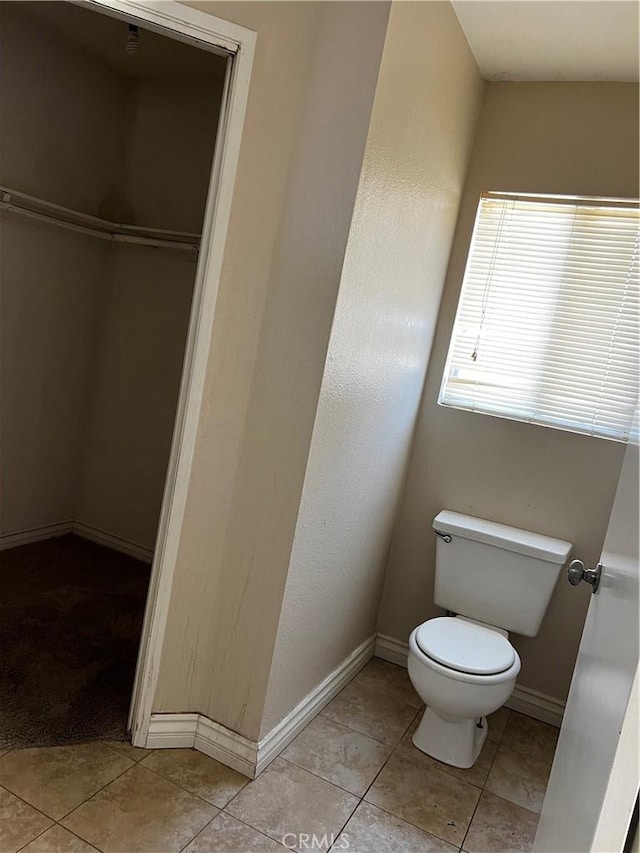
(577, 572)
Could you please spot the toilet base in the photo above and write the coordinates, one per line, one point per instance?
(455, 741)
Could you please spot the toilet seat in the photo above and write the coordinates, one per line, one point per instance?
(465, 647)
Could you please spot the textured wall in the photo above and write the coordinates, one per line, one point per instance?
(573, 138)
(422, 125)
(312, 87)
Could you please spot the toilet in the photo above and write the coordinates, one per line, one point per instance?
(492, 579)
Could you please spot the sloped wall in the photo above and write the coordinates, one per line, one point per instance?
(394, 271)
(310, 100)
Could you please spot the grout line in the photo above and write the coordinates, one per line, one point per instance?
(342, 725)
(255, 828)
(359, 798)
(240, 791)
(323, 779)
(26, 802)
(192, 793)
(473, 814)
(75, 835)
(386, 811)
(428, 832)
(120, 752)
(200, 831)
(344, 825)
(388, 758)
(388, 694)
(391, 747)
(357, 731)
(351, 729)
(261, 831)
(36, 836)
(406, 729)
(91, 796)
(392, 814)
(482, 790)
(304, 769)
(138, 764)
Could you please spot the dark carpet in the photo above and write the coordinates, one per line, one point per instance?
(70, 623)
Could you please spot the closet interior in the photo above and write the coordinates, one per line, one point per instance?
(107, 135)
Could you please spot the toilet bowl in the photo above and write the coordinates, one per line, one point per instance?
(463, 670)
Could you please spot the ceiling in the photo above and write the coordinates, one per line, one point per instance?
(552, 39)
(104, 37)
(510, 39)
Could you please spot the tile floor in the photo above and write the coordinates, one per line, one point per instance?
(352, 775)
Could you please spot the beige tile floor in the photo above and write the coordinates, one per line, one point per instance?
(352, 776)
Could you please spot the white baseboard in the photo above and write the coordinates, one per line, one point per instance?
(242, 754)
(388, 648)
(186, 731)
(172, 731)
(226, 746)
(286, 730)
(110, 540)
(34, 534)
(537, 705)
(523, 699)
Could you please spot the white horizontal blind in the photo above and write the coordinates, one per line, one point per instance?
(547, 324)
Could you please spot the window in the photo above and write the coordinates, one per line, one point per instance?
(547, 324)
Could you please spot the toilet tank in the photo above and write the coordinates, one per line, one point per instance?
(493, 573)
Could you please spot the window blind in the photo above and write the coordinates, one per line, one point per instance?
(547, 324)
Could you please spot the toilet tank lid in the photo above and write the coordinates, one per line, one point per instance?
(502, 536)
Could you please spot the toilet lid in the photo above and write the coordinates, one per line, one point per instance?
(464, 646)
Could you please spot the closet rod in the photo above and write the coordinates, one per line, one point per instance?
(83, 223)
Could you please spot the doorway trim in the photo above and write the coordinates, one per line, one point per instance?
(237, 43)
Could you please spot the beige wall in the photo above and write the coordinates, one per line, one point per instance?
(394, 270)
(169, 144)
(311, 92)
(92, 334)
(134, 390)
(61, 117)
(573, 138)
(171, 133)
(52, 287)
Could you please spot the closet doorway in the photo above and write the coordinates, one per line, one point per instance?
(107, 131)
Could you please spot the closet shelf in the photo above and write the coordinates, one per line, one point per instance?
(46, 211)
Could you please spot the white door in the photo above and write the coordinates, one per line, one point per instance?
(594, 779)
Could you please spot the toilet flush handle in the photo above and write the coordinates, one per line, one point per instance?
(446, 537)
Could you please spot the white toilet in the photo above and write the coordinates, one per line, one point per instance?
(495, 579)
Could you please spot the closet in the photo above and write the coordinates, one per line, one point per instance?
(107, 135)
